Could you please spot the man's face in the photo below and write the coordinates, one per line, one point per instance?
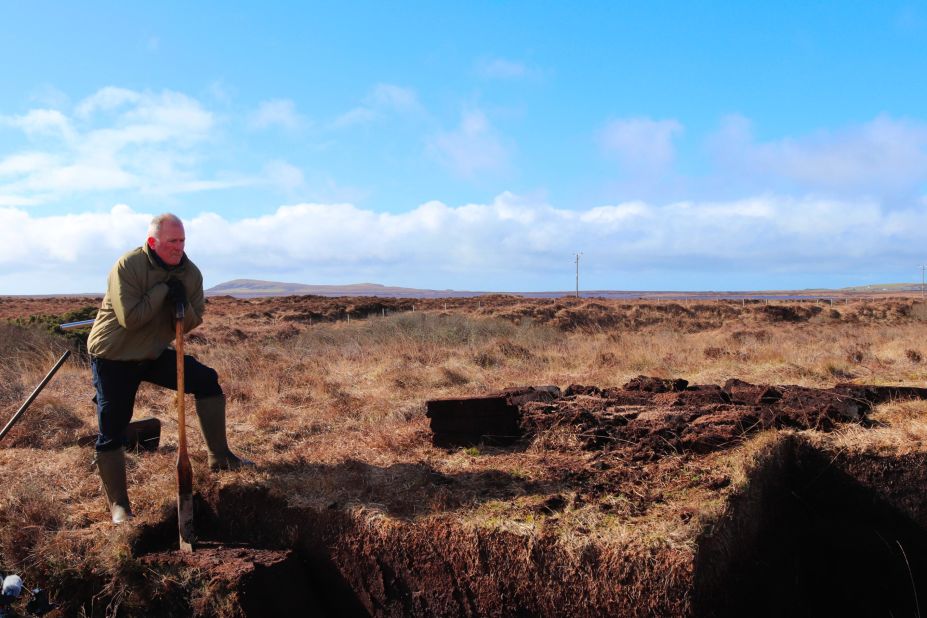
(169, 243)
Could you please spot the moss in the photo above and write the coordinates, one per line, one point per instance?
(50, 323)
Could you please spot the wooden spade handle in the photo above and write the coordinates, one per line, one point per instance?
(181, 412)
(184, 471)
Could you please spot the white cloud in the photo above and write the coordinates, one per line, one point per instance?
(219, 91)
(98, 175)
(198, 186)
(492, 245)
(501, 68)
(883, 156)
(63, 241)
(390, 96)
(42, 122)
(16, 200)
(278, 113)
(642, 145)
(382, 99)
(615, 215)
(169, 116)
(48, 96)
(26, 163)
(284, 176)
(105, 100)
(358, 115)
(473, 148)
(117, 139)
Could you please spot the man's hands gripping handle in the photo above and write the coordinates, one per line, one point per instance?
(176, 294)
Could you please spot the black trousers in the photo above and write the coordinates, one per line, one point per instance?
(117, 383)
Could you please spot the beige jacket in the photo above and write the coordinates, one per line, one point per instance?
(136, 321)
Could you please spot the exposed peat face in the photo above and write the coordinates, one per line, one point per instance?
(811, 532)
(819, 534)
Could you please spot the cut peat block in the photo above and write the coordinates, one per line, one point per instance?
(489, 419)
(471, 420)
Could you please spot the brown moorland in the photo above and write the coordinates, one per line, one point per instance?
(770, 483)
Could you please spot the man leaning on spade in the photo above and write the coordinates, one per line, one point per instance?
(128, 345)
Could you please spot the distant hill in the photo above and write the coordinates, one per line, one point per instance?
(253, 288)
(885, 287)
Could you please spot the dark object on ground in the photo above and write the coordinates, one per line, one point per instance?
(141, 435)
(655, 385)
(464, 422)
(491, 419)
(38, 605)
(144, 434)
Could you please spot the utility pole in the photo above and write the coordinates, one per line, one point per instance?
(578, 253)
(923, 268)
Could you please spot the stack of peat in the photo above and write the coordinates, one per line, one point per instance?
(655, 417)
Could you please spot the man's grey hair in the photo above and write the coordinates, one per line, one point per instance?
(154, 228)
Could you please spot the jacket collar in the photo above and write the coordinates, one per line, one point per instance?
(157, 262)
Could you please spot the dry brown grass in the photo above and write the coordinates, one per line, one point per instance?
(334, 413)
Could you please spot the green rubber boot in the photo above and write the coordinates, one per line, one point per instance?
(211, 412)
(112, 468)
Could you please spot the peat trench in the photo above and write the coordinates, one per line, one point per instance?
(811, 533)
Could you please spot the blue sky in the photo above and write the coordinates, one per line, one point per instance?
(678, 145)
